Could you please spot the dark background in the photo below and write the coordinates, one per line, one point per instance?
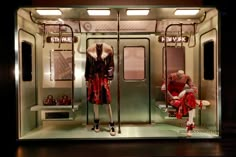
(7, 62)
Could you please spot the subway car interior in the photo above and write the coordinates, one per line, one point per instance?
(51, 53)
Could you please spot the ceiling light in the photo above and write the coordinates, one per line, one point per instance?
(49, 12)
(186, 11)
(59, 19)
(99, 12)
(131, 12)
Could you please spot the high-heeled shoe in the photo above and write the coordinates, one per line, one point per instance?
(189, 128)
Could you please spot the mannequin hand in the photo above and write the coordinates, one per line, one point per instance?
(189, 90)
(181, 94)
(87, 83)
(175, 97)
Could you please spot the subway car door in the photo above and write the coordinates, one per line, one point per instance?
(134, 80)
(27, 83)
(209, 75)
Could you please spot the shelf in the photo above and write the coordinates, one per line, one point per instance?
(55, 107)
(162, 105)
(166, 114)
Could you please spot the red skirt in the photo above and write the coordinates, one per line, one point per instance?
(184, 104)
(99, 91)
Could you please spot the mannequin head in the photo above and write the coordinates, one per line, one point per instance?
(180, 73)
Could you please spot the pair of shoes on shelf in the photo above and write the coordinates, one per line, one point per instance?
(49, 101)
(111, 127)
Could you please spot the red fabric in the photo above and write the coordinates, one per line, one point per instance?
(175, 87)
(184, 104)
(200, 105)
(99, 91)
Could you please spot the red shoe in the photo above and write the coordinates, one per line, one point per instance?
(189, 128)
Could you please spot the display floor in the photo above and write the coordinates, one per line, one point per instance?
(127, 131)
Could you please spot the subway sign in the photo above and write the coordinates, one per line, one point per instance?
(173, 39)
(64, 39)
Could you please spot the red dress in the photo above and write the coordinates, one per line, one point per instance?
(175, 86)
(99, 70)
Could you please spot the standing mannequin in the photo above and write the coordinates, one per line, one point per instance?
(181, 98)
(99, 71)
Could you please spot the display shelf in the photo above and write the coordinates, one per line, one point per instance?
(56, 112)
(55, 107)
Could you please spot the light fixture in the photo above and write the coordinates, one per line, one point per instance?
(133, 12)
(186, 11)
(99, 12)
(59, 19)
(48, 12)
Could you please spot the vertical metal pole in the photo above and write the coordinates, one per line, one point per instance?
(118, 69)
(59, 27)
(181, 34)
(165, 47)
(73, 66)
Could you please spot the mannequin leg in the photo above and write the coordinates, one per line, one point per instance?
(190, 123)
(111, 123)
(96, 117)
(109, 112)
(191, 115)
(96, 111)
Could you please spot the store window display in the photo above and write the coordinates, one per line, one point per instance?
(99, 71)
(181, 95)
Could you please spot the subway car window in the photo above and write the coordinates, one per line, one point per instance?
(26, 61)
(134, 65)
(208, 51)
(175, 59)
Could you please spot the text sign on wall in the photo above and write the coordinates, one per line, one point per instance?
(173, 39)
(64, 39)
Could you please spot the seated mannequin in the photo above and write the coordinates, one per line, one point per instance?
(181, 98)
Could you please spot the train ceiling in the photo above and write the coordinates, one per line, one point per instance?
(156, 21)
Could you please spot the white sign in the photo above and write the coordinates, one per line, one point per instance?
(64, 39)
(173, 39)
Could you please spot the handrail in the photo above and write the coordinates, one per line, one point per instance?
(72, 45)
(118, 68)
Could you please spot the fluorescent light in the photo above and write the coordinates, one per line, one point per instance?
(59, 19)
(49, 12)
(186, 11)
(98, 12)
(131, 12)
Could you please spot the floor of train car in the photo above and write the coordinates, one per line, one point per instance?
(127, 147)
(135, 131)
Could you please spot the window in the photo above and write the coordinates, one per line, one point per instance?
(134, 63)
(208, 52)
(175, 59)
(26, 61)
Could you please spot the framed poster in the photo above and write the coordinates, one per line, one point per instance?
(60, 65)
